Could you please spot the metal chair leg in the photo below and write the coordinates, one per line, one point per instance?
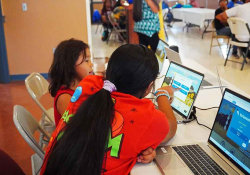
(97, 28)
(227, 55)
(211, 45)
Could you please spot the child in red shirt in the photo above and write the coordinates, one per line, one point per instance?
(107, 123)
(70, 65)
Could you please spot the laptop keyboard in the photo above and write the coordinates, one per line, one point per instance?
(198, 160)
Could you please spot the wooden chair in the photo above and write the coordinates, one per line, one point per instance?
(215, 36)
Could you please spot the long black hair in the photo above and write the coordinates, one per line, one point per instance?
(81, 149)
(62, 71)
(138, 11)
(104, 5)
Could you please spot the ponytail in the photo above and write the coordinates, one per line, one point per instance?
(81, 149)
(137, 10)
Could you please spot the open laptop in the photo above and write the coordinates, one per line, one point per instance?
(189, 81)
(161, 53)
(227, 150)
(173, 56)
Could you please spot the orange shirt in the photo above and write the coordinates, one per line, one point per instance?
(137, 126)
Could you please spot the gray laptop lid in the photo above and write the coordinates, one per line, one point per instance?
(173, 56)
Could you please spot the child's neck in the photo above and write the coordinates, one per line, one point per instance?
(74, 84)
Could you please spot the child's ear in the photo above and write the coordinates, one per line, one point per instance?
(149, 88)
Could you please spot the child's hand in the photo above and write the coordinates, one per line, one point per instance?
(170, 90)
(146, 156)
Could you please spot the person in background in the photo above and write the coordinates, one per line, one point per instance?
(241, 11)
(71, 63)
(234, 3)
(194, 3)
(107, 8)
(147, 24)
(110, 126)
(223, 28)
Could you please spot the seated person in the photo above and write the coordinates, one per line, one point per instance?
(233, 3)
(241, 11)
(119, 16)
(107, 8)
(194, 3)
(221, 28)
(108, 127)
(71, 63)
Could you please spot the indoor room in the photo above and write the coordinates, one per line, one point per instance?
(139, 87)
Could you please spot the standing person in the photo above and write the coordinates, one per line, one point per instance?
(194, 3)
(108, 126)
(107, 8)
(234, 3)
(71, 63)
(147, 24)
(241, 11)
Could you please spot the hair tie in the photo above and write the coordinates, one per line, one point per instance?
(109, 86)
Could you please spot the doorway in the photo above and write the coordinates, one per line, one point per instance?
(4, 68)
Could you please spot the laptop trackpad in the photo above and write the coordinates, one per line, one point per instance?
(170, 161)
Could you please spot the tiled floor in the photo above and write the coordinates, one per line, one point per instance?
(190, 44)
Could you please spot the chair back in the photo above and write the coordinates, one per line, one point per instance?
(111, 20)
(238, 26)
(27, 126)
(37, 86)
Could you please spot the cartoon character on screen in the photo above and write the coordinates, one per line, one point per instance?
(229, 118)
(172, 80)
(190, 97)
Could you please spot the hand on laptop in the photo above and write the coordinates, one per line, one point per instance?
(170, 90)
(146, 156)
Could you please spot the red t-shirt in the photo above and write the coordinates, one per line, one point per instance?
(137, 126)
(62, 90)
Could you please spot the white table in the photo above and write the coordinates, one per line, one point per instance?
(191, 132)
(194, 17)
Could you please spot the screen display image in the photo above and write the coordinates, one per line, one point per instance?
(231, 131)
(189, 83)
(161, 53)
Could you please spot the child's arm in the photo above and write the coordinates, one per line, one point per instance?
(62, 103)
(152, 4)
(165, 107)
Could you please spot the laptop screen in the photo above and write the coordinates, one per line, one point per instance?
(189, 81)
(231, 131)
(161, 53)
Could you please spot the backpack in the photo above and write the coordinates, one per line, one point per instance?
(96, 16)
(170, 17)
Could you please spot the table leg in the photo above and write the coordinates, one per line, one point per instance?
(206, 27)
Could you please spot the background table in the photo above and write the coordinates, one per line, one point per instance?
(191, 132)
(200, 17)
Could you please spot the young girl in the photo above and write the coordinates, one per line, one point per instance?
(71, 63)
(108, 124)
(107, 8)
(147, 24)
